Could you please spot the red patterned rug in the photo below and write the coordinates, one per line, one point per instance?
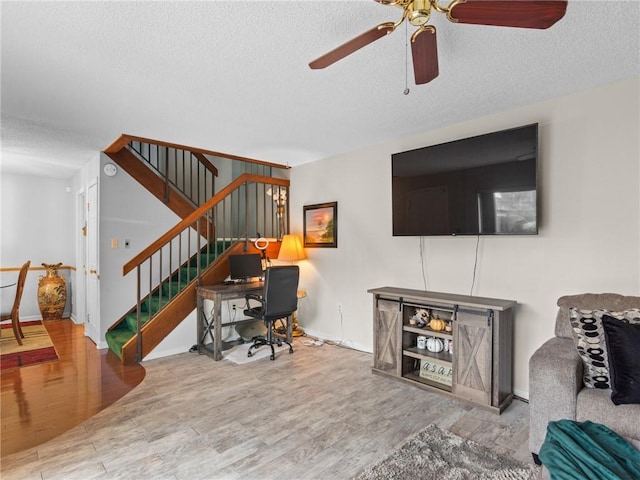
(36, 347)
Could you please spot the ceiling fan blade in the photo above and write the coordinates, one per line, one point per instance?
(353, 45)
(509, 13)
(424, 50)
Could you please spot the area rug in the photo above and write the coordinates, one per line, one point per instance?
(441, 455)
(239, 356)
(36, 347)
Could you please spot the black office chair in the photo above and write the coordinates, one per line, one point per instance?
(279, 301)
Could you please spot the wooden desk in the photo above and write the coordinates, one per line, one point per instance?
(212, 327)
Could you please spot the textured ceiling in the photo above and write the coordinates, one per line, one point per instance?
(233, 76)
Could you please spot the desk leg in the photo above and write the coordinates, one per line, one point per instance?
(217, 328)
(199, 329)
(290, 328)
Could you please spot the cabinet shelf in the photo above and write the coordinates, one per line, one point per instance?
(440, 308)
(424, 354)
(415, 376)
(428, 332)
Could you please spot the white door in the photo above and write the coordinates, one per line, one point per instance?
(81, 258)
(92, 326)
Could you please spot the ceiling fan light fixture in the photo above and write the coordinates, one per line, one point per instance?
(418, 12)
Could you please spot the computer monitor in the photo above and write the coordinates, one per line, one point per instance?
(244, 267)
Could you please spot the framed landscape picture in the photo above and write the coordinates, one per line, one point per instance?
(321, 225)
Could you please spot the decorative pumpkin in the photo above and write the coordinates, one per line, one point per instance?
(437, 324)
(435, 345)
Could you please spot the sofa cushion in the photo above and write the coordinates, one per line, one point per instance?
(595, 405)
(590, 301)
(623, 347)
(589, 338)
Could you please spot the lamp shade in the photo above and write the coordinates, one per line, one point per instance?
(291, 249)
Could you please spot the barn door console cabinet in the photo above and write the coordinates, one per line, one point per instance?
(458, 345)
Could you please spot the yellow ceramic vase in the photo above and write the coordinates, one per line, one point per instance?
(52, 292)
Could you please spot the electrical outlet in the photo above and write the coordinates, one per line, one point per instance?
(340, 307)
(233, 306)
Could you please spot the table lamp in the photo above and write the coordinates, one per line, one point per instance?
(291, 250)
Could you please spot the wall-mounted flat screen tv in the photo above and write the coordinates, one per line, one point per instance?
(484, 185)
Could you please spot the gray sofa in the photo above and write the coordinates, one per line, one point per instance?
(555, 378)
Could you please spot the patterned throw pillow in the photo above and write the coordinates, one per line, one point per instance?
(588, 334)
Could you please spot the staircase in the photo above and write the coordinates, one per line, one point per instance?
(183, 178)
(194, 251)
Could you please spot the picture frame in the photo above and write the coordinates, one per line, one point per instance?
(320, 225)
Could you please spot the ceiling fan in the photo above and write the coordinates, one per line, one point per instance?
(539, 14)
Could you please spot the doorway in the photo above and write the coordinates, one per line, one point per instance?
(80, 294)
(92, 325)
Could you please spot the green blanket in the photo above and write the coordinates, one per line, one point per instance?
(587, 450)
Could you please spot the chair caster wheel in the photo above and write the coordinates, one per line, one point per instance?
(290, 351)
(272, 357)
(249, 354)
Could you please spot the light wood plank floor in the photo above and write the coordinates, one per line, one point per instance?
(319, 413)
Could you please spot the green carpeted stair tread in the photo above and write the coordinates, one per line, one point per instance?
(156, 302)
(116, 338)
(170, 290)
(219, 247)
(205, 260)
(132, 321)
(185, 275)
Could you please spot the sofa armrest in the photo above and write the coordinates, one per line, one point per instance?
(555, 378)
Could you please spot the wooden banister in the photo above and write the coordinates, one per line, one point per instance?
(206, 163)
(124, 139)
(196, 214)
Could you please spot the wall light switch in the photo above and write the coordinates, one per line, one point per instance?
(114, 243)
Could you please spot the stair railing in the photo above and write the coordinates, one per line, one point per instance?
(191, 174)
(248, 206)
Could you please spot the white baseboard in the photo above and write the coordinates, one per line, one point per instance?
(524, 394)
(343, 342)
(165, 353)
(26, 318)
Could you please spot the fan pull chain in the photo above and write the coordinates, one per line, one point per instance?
(406, 59)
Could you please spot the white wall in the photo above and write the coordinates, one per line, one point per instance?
(128, 212)
(36, 223)
(589, 237)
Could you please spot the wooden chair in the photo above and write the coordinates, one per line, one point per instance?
(14, 316)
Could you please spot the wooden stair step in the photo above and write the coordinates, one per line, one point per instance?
(117, 337)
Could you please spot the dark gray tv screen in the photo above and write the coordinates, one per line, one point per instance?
(484, 185)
